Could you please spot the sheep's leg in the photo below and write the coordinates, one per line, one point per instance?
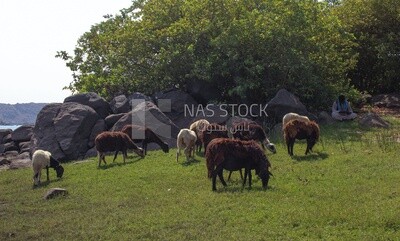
(144, 146)
(241, 174)
(103, 157)
(178, 152)
(214, 177)
(246, 173)
(291, 144)
(249, 172)
(115, 155)
(221, 177)
(47, 172)
(124, 155)
(229, 176)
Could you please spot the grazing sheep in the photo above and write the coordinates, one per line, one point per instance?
(211, 132)
(115, 141)
(42, 159)
(297, 129)
(186, 140)
(149, 137)
(198, 126)
(249, 131)
(293, 116)
(233, 155)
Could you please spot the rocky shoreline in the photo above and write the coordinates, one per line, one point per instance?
(68, 129)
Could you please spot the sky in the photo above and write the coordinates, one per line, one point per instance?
(32, 31)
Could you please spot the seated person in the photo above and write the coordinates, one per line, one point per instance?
(341, 109)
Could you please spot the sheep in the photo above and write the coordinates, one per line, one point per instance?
(297, 129)
(115, 141)
(186, 140)
(149, 137)
(42, 159)
(250, 131)
(211, 132)
(293, 116)
(233, 155)
(246, 131)
(198, 126)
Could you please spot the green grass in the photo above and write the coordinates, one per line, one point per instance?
(348, 189)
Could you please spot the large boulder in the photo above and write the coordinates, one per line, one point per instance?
(3, 133)
(112, 119)
(98, 128)
(64, 130)
(120, 104)
(149, 115)
(283, 103)
(136, 98)
(176, 105)
(373, 120)
(22, 133)
(99, 104)
(387, 100)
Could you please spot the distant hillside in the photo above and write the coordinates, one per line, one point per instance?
(19, 114)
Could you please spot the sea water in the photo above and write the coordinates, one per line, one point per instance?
(12, 127)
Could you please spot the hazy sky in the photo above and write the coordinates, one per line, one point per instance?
(32, 31)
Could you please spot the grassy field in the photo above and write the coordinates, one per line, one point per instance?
(348, 189)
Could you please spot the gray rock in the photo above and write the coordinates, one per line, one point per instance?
(64, 130)
(99, 104)
(149, 115)
(22, 133)
(283, 103)
(373, 120)
(174, 101)
(7, 138)
(92, 152)
(386, 100)
(20, 161)
(3, 133)
(120, 104)
(10, 146)
(325, 118)
(55, 192)
(4, 161)
(24, 146)
(137, 97)
(98, 128)
(112, 119)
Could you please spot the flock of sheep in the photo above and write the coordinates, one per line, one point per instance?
(240, 147)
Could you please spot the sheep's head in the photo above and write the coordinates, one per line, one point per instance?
(271, 147)
(165, 147)
(59, 170)
(139, 151)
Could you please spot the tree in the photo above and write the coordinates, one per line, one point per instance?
(376, 26)
(246, 50)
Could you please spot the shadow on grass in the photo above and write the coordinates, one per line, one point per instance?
(241, 189)
(316, 156)
(111, 164)
(45, 183)
(190, 162)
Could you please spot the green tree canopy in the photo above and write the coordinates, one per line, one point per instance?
(376, 27)
(247, 50)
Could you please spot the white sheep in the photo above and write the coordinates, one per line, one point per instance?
(198, 126)
(293, 116)
(42, 159)
(186, 140)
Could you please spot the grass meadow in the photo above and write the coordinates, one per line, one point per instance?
(348, 189)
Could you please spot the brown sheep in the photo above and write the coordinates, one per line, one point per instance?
(250, 131)
(211, 132)
(297, 129)
(115, 141)
(233, 155)
(144, 135)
